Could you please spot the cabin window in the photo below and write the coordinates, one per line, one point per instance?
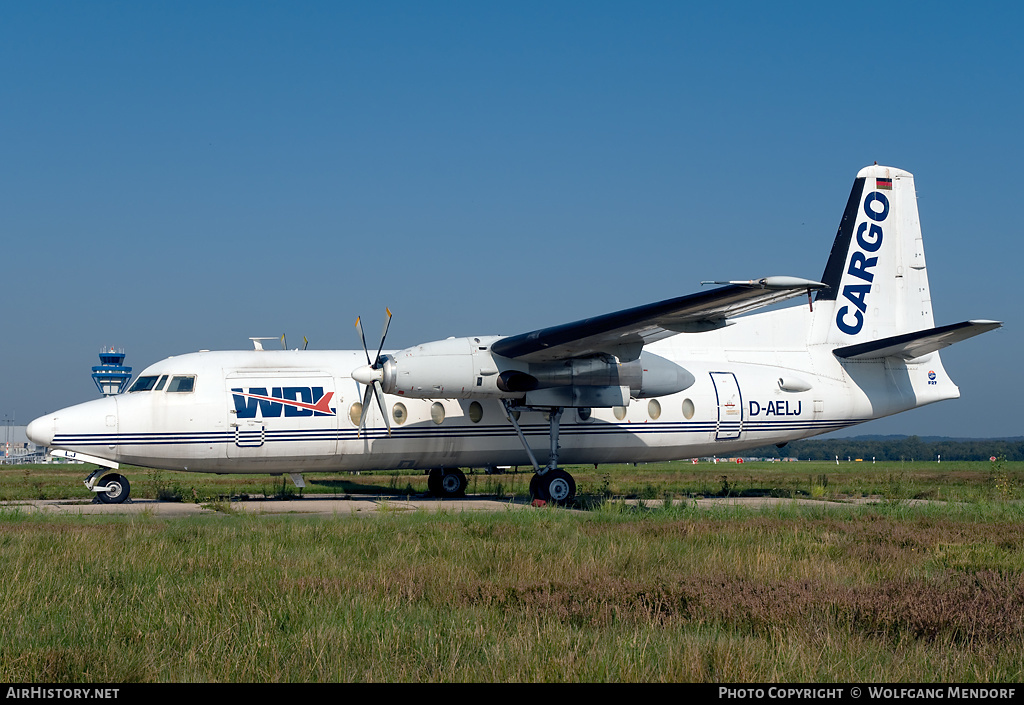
(476, 412)
(620, 412)
(355, 413)
(654, 409)
(399, 413)
(437, 412)
(182, 383)
(688, 408)
(143, 384)
(583, 413)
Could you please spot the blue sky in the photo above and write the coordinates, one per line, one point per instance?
(179, 176)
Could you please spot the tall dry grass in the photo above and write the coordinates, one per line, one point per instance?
(888, 593)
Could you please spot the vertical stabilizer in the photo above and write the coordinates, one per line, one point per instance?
(876, 274)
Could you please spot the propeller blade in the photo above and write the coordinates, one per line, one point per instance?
(305, 342)
(359, 327)
(365, 407)
(387, 325)
(375, 388)
(284, 344)
(378, 392)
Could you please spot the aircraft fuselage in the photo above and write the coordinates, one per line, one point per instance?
(299, 411)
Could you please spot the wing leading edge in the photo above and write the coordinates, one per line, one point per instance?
(624, 333)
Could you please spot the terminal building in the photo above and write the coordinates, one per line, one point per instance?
(16, 448)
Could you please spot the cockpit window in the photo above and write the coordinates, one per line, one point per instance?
(182, 383)
(161, 383)
(143, 384)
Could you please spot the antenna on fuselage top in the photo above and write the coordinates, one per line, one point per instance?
(257, 342)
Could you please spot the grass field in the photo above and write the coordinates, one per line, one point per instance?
(887, 592)
(950, 481)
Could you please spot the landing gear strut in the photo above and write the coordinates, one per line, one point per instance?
(550, 484)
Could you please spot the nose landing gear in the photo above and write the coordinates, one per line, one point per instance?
(112, 489)
(118, 489)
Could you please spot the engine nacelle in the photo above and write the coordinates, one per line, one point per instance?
(648, 376)
(464, 368)
(456, 368)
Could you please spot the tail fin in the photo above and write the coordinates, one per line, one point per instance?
(876, 274)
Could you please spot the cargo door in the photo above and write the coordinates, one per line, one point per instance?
(730, 406)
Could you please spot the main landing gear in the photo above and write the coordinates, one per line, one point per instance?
(446, 483)
(551, 483)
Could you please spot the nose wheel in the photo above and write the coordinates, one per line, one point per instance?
(117, 489)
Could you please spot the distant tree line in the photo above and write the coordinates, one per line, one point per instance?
(896, 448)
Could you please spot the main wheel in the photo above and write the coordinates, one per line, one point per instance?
(556, 486)
(434, 482)
(538, 488)
(119, 489)
(453, 483)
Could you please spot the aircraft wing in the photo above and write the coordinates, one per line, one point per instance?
(624, 333)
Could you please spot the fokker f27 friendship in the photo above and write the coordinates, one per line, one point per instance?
(687, 377)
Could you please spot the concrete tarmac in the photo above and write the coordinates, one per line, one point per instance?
(319, 505)
(366, 505)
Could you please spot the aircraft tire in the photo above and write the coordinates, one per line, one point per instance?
(555, 486)
(452, 483)
(434, 482)
(537, 488)
(120, 494)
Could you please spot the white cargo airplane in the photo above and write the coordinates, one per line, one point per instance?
(681, 378)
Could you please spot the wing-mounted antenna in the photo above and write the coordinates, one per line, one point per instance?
(372, 374)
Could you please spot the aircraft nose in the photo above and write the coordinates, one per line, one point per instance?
(40, 431)
(68, 428)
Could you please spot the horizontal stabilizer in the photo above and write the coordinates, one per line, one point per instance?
(911, 345)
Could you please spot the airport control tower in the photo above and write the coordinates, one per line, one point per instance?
(111, 376)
